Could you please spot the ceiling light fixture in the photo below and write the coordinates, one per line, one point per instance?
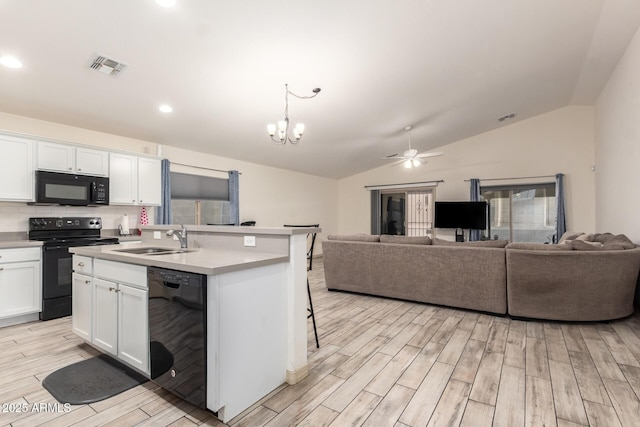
(165, 108)
(283, 125)
(166, 3)
(10, 61)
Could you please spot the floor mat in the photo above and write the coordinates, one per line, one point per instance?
(91, 380)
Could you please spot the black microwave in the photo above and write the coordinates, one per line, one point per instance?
(54, 188)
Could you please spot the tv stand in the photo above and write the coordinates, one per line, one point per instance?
(459, 236)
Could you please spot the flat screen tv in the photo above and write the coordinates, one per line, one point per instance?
(466, 215)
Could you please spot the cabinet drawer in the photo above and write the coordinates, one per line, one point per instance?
(19, 254)
(83, 264)
(121, 272)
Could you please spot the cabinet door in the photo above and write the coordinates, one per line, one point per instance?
(19, 288)
(16, 169)
(81, 306)
(56, 157)
(92, 162)
(105, 315)
(133, 326)
(123, 179)
(149, 185)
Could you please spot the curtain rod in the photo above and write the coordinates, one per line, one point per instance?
(408, 184)
(519, 177)
(201, 167)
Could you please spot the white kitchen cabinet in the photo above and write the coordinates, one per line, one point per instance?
(133, 331)
(71, 159)
(82, 290)
(16, 169)
(20, 287)
(117, 306)
(134, 180)
(105, 315)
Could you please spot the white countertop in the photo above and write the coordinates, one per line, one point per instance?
(202, 261)
(10, 244)
(231, 229)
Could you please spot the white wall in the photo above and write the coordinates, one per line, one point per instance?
(561, 141)
(618, 148)
(270, 196)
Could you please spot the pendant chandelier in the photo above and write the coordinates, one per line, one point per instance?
(280, 134)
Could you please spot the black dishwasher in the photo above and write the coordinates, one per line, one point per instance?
(177, 332)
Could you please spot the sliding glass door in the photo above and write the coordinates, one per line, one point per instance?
(407, 213)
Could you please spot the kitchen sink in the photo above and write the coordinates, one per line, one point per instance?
(153, 251)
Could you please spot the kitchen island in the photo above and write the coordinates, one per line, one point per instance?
(256, 327)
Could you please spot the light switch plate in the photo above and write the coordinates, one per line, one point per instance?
(249, 240)
(157, 235)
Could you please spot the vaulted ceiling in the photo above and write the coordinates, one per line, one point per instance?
(448, 68)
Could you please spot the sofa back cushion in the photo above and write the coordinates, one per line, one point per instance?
(354, 237)
(405, 240)
(539, 247)
(480, 243)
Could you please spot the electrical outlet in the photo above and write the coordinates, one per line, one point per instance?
(157, 235)
(249, 240)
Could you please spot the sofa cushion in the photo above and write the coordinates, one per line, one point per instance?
(480, 243)
(539, 247)
(619, 240)
(581, 245)
(602, 237)
(405, 240)
(569, 235)
(354, 237)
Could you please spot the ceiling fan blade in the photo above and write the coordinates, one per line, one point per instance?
(433, 154)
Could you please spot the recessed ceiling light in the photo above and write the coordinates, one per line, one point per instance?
(166, 3)
(165, 108)
(10, 61)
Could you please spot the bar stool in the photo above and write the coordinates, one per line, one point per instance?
(309, 268)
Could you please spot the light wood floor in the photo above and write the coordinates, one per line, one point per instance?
(381, 362)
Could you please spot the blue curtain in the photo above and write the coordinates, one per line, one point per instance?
(375, 212)
(561, 224)
(474, 196)
(163, 212)
(234, 193)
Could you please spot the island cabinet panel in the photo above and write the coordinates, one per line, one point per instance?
(81, 303)
(110, 309)
(105, 316)
(133, 333)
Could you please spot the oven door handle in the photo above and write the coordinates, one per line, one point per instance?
(51, 248)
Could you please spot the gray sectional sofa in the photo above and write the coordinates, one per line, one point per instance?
(555, 282)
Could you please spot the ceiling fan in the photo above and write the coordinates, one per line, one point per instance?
(411, 158)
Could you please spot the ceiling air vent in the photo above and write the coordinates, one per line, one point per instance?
(107, 66)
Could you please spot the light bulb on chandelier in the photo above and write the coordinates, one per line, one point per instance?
(282, 130)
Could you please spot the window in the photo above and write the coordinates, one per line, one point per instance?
(522, 213)
(407, 212)
(199, 200)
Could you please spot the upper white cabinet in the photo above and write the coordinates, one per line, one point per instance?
(16, 169)
(70, 159)
(134, 180)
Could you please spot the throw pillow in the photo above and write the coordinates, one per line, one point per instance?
(479, 244)
(581, 245)
(405, 240)
(355, 237)
(603, 237)
(540, 247)
(585, 237)
(569, 235)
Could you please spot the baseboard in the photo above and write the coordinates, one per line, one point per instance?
(24, 318)
(294, 377)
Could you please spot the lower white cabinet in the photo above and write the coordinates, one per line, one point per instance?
(20, 289)
(110, 311)
(82, 291)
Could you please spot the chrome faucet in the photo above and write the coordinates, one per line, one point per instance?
(181, 235)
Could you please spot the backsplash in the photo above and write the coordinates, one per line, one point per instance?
(14, 216)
